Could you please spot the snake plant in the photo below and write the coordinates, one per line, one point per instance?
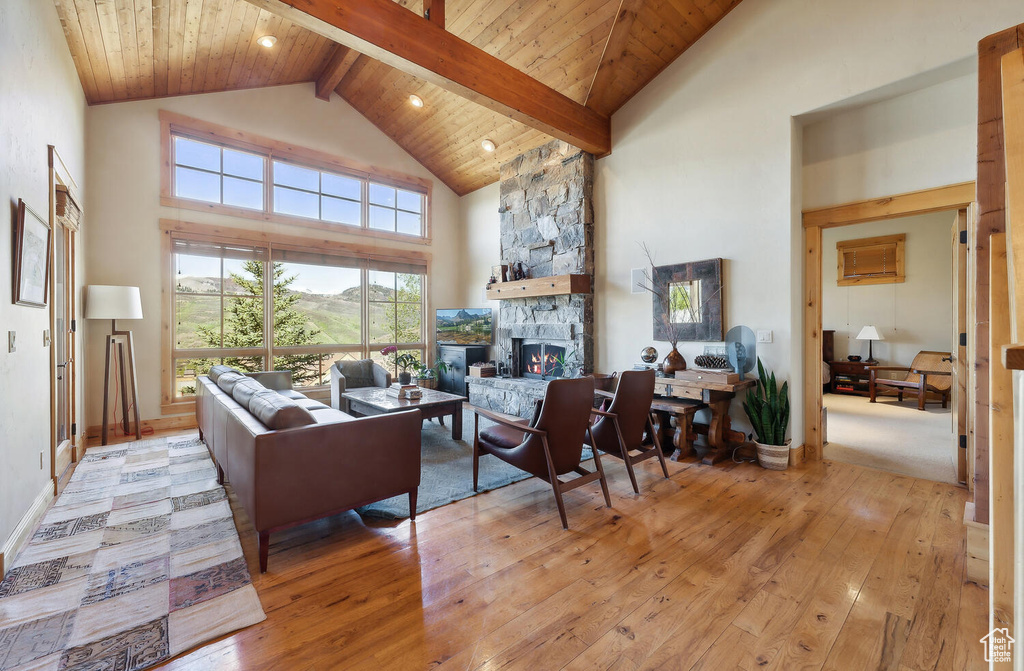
(767, 407)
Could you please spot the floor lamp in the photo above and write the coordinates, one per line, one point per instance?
(113, 303)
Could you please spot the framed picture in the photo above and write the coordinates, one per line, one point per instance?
(31, 257)
(688, 301)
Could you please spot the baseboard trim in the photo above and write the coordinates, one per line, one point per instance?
(160, 424)
(26, 525)
(977, 547)
(797, 454)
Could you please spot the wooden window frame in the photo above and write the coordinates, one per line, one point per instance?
(897, 242)
(171, 403)
(173, 124)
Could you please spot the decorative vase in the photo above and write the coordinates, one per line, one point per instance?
(773, 457)
(404, 378)
(673, 361)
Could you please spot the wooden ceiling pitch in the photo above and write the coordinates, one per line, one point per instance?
(391, 34)
(515, 71)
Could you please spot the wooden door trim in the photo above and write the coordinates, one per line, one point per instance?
(950, 197)
(60, 175)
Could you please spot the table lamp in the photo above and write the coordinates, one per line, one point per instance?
(111, 302)
(871, 334)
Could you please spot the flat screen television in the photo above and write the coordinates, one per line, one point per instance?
(464, 326)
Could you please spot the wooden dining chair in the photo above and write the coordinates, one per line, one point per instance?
(550, 448)
(619, 430)
(929, 372)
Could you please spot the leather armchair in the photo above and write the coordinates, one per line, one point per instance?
(620, 429)
(346, 375)
(553, 446)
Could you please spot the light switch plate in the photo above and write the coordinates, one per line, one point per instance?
(12, 344)
(764, 335)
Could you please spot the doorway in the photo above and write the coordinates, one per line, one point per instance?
(958, 198)
(65, 220)
(887, 305)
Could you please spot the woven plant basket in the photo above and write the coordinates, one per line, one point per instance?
(773, 457)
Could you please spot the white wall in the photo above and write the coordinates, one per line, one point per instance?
(913, 315)
(482, 246)
(913, 141)
(41, 103)
(705, 162)
(124, 200)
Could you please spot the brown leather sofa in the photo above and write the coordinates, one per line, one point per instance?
(291, 459)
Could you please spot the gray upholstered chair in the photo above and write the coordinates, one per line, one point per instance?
(348, 375)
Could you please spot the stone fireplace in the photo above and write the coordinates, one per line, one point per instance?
(547, 215)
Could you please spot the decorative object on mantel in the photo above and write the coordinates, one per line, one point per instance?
(31, 257)
(767, 407)
(741, 348)
(648, 355)
(871, 334)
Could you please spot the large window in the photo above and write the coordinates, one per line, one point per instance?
(245, 305)
(215, 168)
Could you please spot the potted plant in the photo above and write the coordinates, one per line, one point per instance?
(767, 407)
(403, 361)
(426, 376)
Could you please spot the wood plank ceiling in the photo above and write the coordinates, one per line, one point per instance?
(596, 52)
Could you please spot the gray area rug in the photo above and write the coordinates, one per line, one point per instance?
(446, 473)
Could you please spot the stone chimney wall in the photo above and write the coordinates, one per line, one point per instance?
(547, 224)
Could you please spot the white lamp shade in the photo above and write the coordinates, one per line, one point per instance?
(103, 301)
(869, 333)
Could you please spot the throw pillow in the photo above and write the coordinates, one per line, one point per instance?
(357, 373)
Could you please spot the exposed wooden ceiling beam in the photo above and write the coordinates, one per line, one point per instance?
(433, 10)
(337, 65)
(392, 34)
(614, 50)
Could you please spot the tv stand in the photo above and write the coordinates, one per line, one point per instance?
(459, 358)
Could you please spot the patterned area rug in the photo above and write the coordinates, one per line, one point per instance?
(137, 561)
(446, 471)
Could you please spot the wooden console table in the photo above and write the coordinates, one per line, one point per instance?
(716, 396)
(681, 399)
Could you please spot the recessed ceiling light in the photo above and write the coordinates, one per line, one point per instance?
(415, 100)
(267, 41)
(488, 145)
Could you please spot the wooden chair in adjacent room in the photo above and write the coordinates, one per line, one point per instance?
(620, 429)
(929, 372)
(552, 447)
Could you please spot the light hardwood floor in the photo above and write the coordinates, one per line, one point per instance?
(829, 566)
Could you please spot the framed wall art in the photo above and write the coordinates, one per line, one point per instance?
(31, 257)
(688, 301)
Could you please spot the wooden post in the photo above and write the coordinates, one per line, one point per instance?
(1000, 453)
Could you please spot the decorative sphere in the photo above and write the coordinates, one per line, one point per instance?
(648, 355)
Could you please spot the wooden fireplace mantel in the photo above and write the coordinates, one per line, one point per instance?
(557, 285)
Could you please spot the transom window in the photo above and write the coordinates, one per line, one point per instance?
(217, 174)
(214, 168)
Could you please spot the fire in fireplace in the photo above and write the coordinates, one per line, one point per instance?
(541, 360)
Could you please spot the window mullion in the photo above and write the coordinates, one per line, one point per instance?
(268, 309)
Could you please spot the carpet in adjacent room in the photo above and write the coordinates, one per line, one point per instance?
(891, 436)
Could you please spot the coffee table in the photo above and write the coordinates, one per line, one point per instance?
(433, 403)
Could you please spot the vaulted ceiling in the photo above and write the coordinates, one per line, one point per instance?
(598, 53)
